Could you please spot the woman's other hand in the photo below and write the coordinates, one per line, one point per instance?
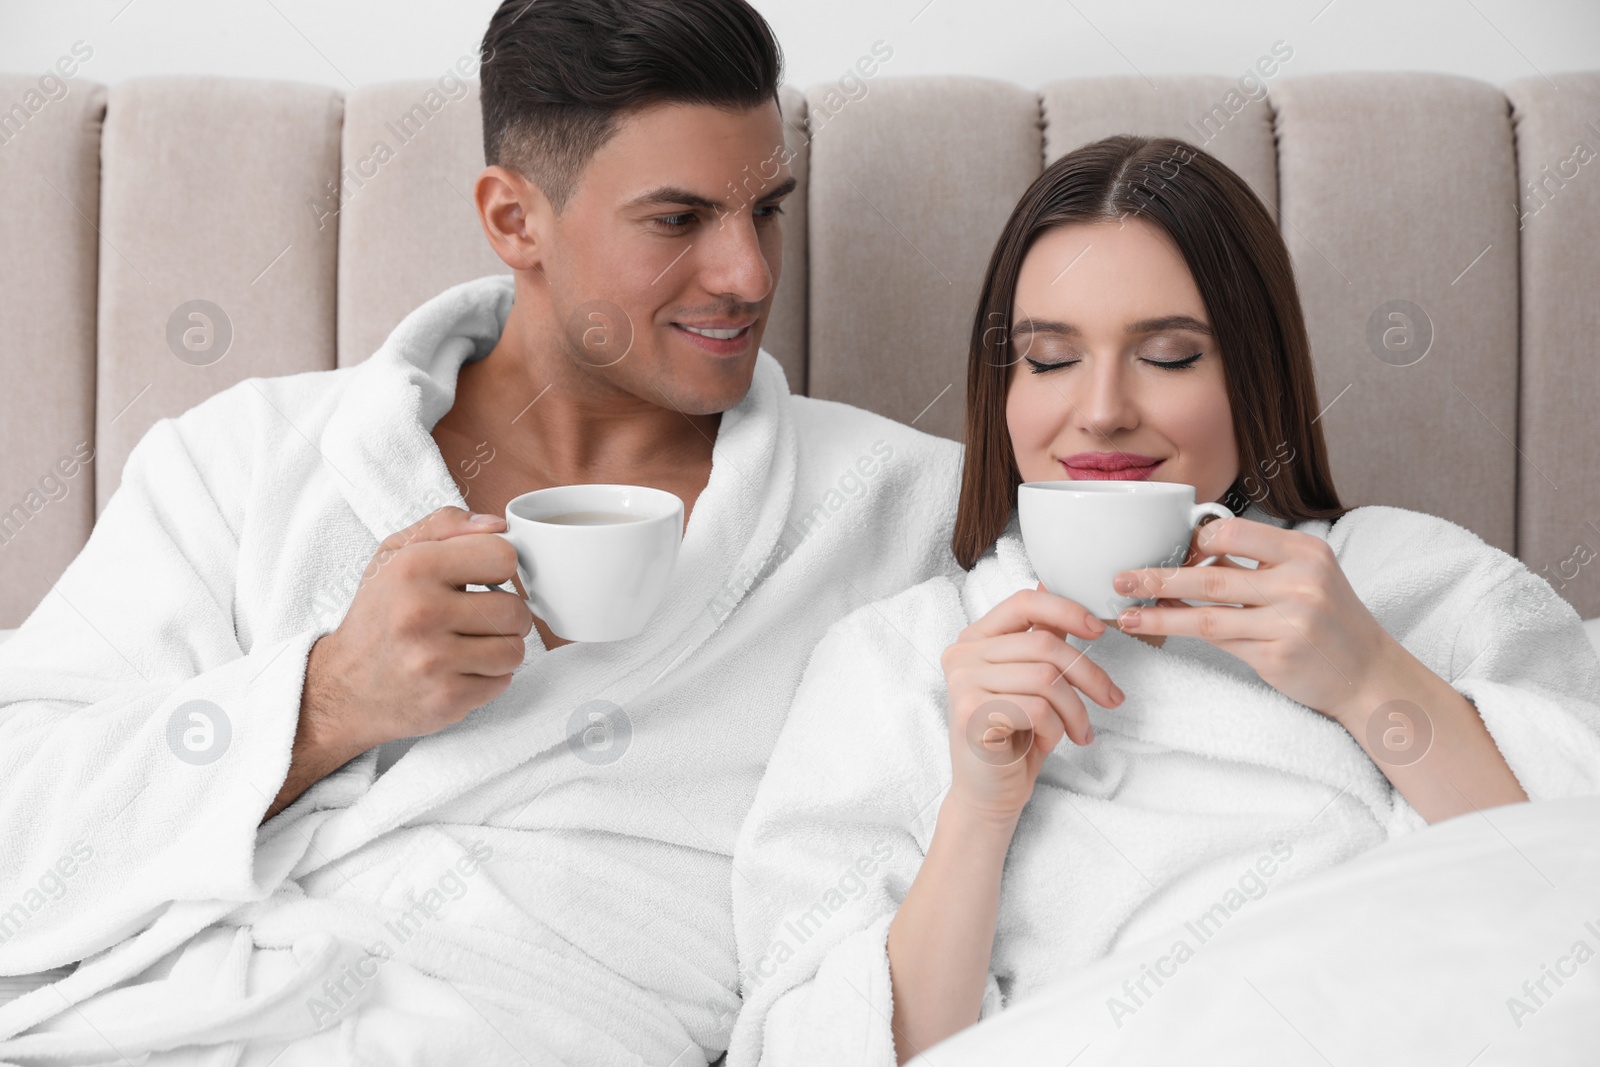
(1298, 622)
(1010, 678)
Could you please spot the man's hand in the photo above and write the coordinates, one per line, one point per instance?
(416, 651)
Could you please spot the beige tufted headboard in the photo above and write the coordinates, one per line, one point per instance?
(1476, 205)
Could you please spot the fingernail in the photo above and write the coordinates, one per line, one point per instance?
(1124, 585)
(1089, 740)
(1118, 695)
(482, 519)
(1130, 619)
(1096, 627)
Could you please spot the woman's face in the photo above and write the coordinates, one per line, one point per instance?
(1106, 322)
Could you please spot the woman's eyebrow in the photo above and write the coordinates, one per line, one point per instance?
(1067, 329)
(1169, 322)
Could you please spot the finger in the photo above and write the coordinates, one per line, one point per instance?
(1000, 731)
(482, 614)
(1097, 624)
(1035, 607)
(1038, 680)
(1000, 717)
(470, 559)
(1206, 622)
(1046, 627)
(1064, 716)
(448, 521)
(1048, 726)
(1216, 583)
(1247, 539)
(998, 743)
(491, 657)
(1070, 664)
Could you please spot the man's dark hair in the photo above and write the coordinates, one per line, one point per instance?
(557, 75)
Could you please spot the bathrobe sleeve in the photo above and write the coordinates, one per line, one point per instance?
(140, 745)
(1501, 635)
(1522, 657)
(837, 833)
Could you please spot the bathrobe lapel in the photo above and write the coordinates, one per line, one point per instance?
(1192, 696)
(394, 474)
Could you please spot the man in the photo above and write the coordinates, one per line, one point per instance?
(477, 842)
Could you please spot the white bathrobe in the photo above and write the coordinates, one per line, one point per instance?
(1203, 792)
(546, 881)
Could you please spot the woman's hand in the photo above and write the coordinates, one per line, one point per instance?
(1308, 635)
(1298, 623)
(1010, 677)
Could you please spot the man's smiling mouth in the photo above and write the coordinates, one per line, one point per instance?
(718, 334)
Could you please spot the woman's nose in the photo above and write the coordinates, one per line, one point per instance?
(1104, 402)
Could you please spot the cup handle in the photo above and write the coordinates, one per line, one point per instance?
(522, 572)
(1200, 511)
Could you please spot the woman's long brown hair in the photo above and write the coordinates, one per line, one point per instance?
(1242, 270)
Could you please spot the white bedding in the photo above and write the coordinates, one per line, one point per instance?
(1415, 952)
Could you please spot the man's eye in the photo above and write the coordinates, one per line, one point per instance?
(675, 222)
(769, 211)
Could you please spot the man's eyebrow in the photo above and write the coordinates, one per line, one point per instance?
(782, 189)
(675, 196)
(1067, 329)
(669, 194)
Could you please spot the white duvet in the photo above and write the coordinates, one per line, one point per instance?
(1473, 942)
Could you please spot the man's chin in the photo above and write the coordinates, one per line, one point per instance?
(707, 396)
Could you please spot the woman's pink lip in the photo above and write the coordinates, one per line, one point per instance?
(1125, 474)
(1117, 459)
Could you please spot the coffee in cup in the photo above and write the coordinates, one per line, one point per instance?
(1080, 534)
(595, 559)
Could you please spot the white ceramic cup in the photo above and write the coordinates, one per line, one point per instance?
(595, 581)
(1080, 534)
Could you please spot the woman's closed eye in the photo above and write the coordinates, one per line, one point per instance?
(1040, 366)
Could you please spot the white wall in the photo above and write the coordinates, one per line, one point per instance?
(355, 42)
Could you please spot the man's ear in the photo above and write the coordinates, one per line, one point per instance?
(516, 216)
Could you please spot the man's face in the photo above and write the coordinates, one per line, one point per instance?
(672, 232)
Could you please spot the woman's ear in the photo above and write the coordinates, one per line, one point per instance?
(516, 216)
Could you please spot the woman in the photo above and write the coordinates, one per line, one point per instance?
(924, 849)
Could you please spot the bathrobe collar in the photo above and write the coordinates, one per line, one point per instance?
(379, 441)
(1190, 695)
(380, 445)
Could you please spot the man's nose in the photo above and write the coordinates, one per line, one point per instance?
(733, 264)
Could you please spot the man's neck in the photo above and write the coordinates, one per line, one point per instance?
(522, 421)
(561, 424)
